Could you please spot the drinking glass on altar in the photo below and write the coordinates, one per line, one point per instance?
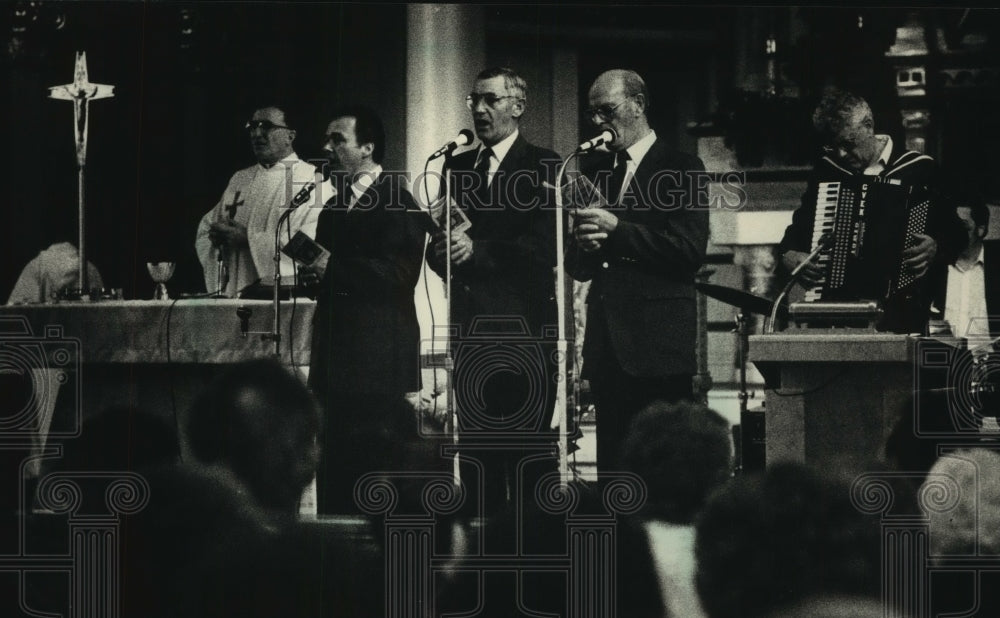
(161, 272)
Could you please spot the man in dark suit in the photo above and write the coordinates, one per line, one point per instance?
(641, 251)
(503, 299)
(968, 297)
(365, 351)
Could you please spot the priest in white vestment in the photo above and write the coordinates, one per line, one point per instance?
(241, 227)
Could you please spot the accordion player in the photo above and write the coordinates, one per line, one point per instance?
(872, 221)
(856, 157)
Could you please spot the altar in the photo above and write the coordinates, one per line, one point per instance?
(152, 356)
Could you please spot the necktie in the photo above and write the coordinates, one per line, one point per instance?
(617, 181)
(349, 198)
(483, 169)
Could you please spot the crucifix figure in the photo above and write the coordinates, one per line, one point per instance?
(231, 208)
(223, 269)
(81, 92)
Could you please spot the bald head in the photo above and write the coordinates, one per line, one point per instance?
(627, 81)
(618, 100)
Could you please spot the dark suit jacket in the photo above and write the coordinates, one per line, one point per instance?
(513, 235)
(365, 333)
(641, 305)
(991, 281)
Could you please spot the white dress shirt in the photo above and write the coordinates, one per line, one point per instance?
(362, 182)
(878, 166)
(965, 303)
(636, 152)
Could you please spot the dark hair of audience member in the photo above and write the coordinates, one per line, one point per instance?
(120, 438)
(534, 532)
(261, 421)
(683, 452)
(928, 419)
(770, 541)
(203, 547)
(194, 515)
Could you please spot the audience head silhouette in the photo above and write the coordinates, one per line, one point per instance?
(261, 422)
(683, 452)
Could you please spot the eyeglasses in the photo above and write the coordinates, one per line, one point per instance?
(604, 112)
(845, 146)
(264, 125)
(489, 98)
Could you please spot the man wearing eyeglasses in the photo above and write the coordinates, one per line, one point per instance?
(852, 149)
(640, 249)
(239, 231)
(502, 288)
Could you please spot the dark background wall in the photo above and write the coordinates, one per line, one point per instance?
(188, 75)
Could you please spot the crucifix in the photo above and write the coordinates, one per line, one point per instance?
(231, 208)
(222, 275)
(81, 92)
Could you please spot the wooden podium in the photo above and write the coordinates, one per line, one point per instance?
(832, 398)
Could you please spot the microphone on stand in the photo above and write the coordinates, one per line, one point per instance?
(825, 241)
(607, 136)
(300, 198)
(464, 138)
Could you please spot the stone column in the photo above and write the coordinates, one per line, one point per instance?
(445, 50)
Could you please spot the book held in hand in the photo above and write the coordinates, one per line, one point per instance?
(303, 249)
(459, 222)
(580, 192)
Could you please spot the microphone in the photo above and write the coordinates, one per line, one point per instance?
(464, 138)
(300, 198)
(825, 241)
(606, 137)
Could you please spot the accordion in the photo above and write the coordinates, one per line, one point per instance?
(871, 222)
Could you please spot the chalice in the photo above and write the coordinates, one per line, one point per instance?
(161, 272)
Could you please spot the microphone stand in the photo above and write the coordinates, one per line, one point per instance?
(275, 334)
(823, 243)
(297, 201)
(449, 361)
(562, 347)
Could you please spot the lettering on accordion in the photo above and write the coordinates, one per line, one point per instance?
(871, 222)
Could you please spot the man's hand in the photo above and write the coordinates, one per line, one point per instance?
(917, 259)
(461, 247)
(228, 233)
(313, 273)
(592, 226)
(810, 275)
(579, 192)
